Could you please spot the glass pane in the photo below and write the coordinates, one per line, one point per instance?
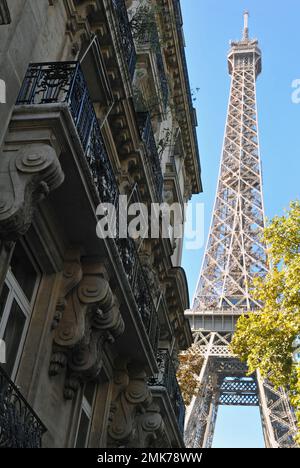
(13, 335)
(89, 392)
(3, 299)
(83, 431)
(23, 270)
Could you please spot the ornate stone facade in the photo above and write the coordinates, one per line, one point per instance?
(93, 316)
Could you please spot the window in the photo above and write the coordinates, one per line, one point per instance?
(86, 414)
(23, 271)
(16, 302)
(4, 13)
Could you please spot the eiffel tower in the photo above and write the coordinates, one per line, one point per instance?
(234, 255)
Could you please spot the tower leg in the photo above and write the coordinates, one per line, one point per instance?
(211, 423)
(199, 428)
(278, 419)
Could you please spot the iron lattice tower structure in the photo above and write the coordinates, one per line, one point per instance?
(234, 255)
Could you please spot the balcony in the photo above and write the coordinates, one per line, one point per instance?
(179, 23)
(144, 122)
(140, 289)
(149, 41)
(166, 378)
(20, 427)
(64, 83)
(162, 78)
(125, 35)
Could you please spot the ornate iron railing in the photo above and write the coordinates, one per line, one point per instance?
(166, 377)
(20, 427)
(64, 82)
(146, 131)
(162, 78)
(179, 23)
(125, 35)
(139, 286)
(150, 39)
(178, 13)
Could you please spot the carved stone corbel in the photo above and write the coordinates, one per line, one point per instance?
(87, 317)
(130, 395)
(134, 420)
(154, 285)
(150, 428)
(26, 177)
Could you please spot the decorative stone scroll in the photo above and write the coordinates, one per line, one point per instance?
(26, 177)
(87, 317)
(134, 420)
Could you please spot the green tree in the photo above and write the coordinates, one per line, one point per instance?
(190, 363)
(265, 340)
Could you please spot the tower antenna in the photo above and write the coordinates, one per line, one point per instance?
(246, 26)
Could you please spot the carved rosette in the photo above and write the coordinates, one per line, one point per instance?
(26, 177)
(86, 318)
(134, 420)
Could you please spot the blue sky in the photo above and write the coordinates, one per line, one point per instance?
(209, 25)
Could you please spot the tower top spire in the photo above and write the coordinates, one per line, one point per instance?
(246, 26)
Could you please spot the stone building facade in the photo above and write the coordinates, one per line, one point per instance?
(97, 104)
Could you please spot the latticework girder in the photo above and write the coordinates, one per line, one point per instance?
(223, 380)
(238, 391)
(234, 256)
(234, 253)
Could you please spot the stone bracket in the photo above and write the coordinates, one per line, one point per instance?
(87, 317)
(26, 177)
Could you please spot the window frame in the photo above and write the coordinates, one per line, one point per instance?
(88, 409)
(16, 294)
(5, 17)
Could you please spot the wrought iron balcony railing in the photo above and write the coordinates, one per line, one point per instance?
(162, 78)
(64, 83)
(150, 39)
(20, 427)
(140, 289)
(144, 121)
(178, 17)
(166, 377)
(125, 35)
(178, 13)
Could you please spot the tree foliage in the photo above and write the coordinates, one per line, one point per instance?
(265, 340)
(190, 363)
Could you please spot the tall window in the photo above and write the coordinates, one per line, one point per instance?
(4, 13)
(16, 302)
(86, 414)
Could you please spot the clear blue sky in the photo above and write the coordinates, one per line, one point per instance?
(208, 27)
